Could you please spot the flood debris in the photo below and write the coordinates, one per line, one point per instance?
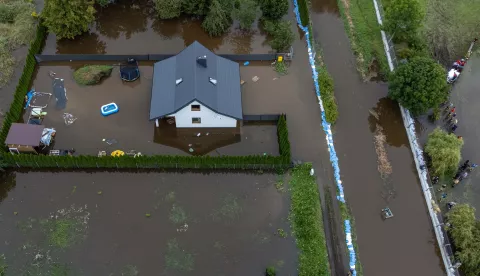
(255, 78)
(384, 166)
(109, 141)
(69, 118)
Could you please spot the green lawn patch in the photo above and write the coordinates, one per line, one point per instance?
(307, 223)
(92, 74)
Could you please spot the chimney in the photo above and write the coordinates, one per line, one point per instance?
(202, 60)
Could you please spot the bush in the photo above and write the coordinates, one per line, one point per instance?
(270, 271)
(325, 82)
(418, 85)
(274, 9)
(444, 150)
(217, 21)
(307, 223)
(282, 34)
(68, 18)
(303, 11)
(245, 12)
(403, 18)
(168, 9)
(465, 232)
(195, 7)
(92, 74)
(282, 135)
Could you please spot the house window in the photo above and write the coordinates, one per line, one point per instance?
(195, 107)
(196, 120)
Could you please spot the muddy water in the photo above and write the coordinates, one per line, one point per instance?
(217, 224)
(404, 244)
(131, 127)
(126, 26)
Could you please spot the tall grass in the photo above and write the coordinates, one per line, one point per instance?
(307, 223)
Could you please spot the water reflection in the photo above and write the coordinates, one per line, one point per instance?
(325, 6)
(87, 43)
(123, 18)
(7, 183)
(387, 115)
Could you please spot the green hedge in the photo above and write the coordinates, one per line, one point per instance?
(303, 11)
(307, 223)
(161, 161)
(16, 108)
(325, 82)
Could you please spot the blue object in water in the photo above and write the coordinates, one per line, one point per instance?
(109, 109)
(246, 63)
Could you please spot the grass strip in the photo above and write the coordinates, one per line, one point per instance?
(307, 223)
(345, 212)
(325, 81)
(363, 30)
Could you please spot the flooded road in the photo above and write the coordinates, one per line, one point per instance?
(376, 163)
(154, 224)
(126, 26)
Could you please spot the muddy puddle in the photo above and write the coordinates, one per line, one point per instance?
(130, 128)
(376, 163)
(124, 27)
(145, 224)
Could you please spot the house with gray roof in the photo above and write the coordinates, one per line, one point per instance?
(196, 89)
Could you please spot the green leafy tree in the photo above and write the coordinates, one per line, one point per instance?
(465, 232)
(282, 34)
(418, 85)
(274, 9)
(444, 150)
(195, 7)
(167, 9)
(68, 18)
(403, 18)
(217, 21)
(245, 12)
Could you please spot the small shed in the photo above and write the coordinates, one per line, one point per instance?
(24, 138)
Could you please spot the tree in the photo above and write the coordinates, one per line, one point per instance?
(274, 9)
(195, 7)
(403, 18)
(168, 9)
(282, 34)
(444, 150)
(68, 18)
(465, 232)
(418, 85)
(217, 21)
(245, 12)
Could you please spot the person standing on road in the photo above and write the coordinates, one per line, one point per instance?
(465, 165)
(454, 127)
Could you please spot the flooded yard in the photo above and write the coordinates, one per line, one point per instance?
(131, 128)
(145, 224)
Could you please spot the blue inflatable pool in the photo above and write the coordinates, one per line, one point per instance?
(109, 109)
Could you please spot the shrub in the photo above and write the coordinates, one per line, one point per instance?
(92, 74)
(418, 85)
(217, 21)
(245, 12)
(282, 135)
(303, 11)
(465, 232)
(403, 18)
(274, 9)
(325, 82)
(282, 34)
(444, 150)
(167, 9)
(195, 7)
(270, 271)
(68, 18)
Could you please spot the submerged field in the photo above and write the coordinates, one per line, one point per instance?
(145, 224)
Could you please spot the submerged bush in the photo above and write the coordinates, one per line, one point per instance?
(245, 12)
(270, 271)
(282, 34)
(92, 74)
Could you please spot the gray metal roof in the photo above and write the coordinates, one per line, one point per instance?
(224, 98)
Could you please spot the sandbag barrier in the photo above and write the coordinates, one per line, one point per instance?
(417, 151)
(329, 137)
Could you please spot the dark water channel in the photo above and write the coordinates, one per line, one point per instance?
(155, 224)
(405, 244)
(131, 27)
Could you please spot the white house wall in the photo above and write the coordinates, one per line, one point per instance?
(209, 118)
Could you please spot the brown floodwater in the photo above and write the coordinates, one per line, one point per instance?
(404, 244)
(198, 224)
(131, 127)
(131, 27)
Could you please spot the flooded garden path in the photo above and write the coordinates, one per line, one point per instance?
(376, 163)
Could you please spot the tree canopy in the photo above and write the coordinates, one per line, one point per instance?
(195, 7)
(217, 21)
(403, 18)
(168, 9)
(282, 34)
(245, 12)
(444, 150)
(465, 232)
(418, 85)
(274, 9)
(68, 18)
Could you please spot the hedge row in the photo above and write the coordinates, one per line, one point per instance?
(16, 108)
(161, 161)
(303, 11)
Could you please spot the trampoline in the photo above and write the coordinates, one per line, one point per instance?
(129, 70)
